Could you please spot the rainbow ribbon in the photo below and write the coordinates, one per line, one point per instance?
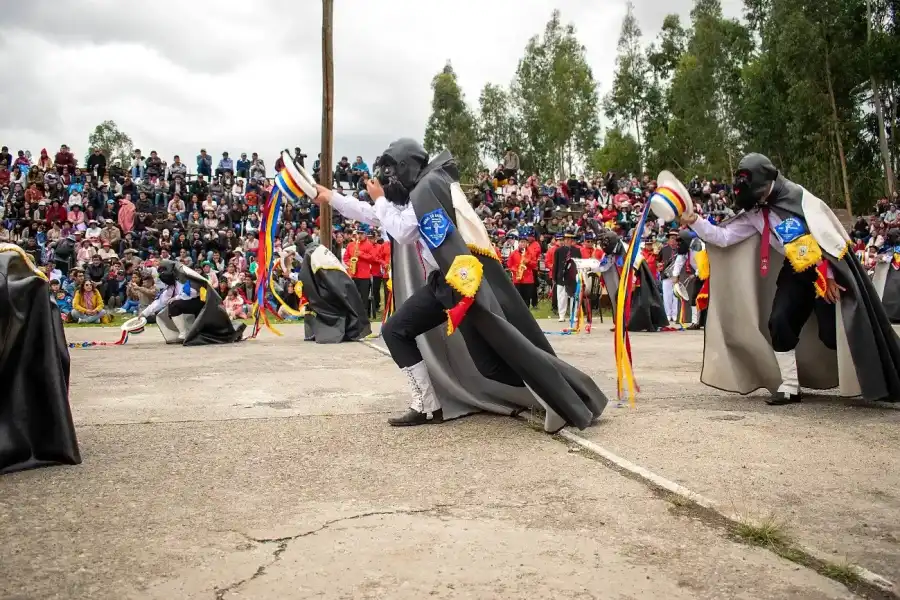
(622, 344)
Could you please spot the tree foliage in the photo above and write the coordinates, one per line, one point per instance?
(620, 153)
(113, 143)
(556, 101)
(497, 125)
(452, 125)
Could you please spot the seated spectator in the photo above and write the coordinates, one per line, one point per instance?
(76, 218)
(243, 166)
(62, 299)
(235, 305)
(226, 165)
(342, 171)
(96, 163)
(204, 163)
(357, 169)
(87, 306)
(137, 164)
(65, 159)
(132, 295)
(237, 190)
(92, 233)
(154, 165)
(257, 167)
(177, 207)
(116, 171)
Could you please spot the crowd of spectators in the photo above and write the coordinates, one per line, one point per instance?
(99, 231)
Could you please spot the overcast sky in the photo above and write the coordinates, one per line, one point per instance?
(245, 76)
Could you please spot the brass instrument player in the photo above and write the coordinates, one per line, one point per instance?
(522, 265)
(361, 258)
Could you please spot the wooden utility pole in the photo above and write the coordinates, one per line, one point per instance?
(325, 167)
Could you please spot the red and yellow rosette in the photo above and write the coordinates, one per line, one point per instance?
(464, 276)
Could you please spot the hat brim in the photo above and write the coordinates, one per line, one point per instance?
(663, 209)
(299, 176)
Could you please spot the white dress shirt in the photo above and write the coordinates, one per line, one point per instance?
(398, 222)
(738, 229)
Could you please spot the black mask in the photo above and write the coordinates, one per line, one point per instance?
(743, 193)
(394, 190)
(166, 272)
(753, 180)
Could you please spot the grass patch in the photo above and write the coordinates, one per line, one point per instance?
(844, 572)
(768, 533)
(679, 501)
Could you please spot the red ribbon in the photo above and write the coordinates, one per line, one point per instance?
(764, 248)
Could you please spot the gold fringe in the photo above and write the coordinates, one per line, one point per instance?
(489, 252)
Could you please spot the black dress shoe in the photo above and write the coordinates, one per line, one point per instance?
(782, 398)
(693, 327)
(437, 417)
(409, 419)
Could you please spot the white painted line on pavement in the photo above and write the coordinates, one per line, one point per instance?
(676, 488)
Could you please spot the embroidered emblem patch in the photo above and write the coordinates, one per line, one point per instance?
(790, 229)
(435, 227)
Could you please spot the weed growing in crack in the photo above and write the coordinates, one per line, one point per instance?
(844, 572)
(769, 533)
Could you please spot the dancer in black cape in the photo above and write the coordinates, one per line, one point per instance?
(810, 319)
(36, 427)
(446, 276)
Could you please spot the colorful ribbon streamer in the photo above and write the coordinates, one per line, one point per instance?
(622, 344)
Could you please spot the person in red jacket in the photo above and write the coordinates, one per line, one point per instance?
(534, 252)
(522, 265)
(380, 272)
(56, 213)
(548, 262)
(360, 258)
(588, 250)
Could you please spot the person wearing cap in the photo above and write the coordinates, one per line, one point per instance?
(549, 261)
(522, 266)
(761, 307)
(360, 258)
(534, 251)
(564, 274)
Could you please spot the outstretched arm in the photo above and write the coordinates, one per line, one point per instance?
(733, 232)
(352, 208)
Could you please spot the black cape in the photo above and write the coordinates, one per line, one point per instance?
(36, 427)
(873, 345)
(647, 311)
(889, 281)
(500, 332)
(335, 311)
(211, 326)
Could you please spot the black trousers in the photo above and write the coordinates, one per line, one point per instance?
(534, 292)
(186, 307)
(425, 310)
(795, 301)
(363, 286)
(526, 290)
(377, 283)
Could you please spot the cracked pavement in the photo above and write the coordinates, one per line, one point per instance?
(265, 470)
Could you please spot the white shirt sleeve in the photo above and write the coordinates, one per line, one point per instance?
(354, 209)
(733, 232)
(679, 265)
(400, 223)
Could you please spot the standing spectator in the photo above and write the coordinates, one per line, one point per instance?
(96, 163)
(257, 167)
(510, 163)
(317, 167)
(204, 163)
(243, 166)
(226, 165)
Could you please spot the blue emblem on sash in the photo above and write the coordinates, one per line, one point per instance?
(790, 229)
(435, 227)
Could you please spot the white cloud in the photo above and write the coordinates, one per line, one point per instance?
(246, 76)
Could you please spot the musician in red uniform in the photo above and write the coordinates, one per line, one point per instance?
(522, 265)
(534, 252)
(548, 262)
(379, 270)
(588, 250)
(360, 258)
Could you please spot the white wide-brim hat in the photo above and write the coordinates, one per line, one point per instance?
(135, 325)
(670, 200)
(294, 181)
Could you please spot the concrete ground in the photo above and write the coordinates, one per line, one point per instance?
(265, 470)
